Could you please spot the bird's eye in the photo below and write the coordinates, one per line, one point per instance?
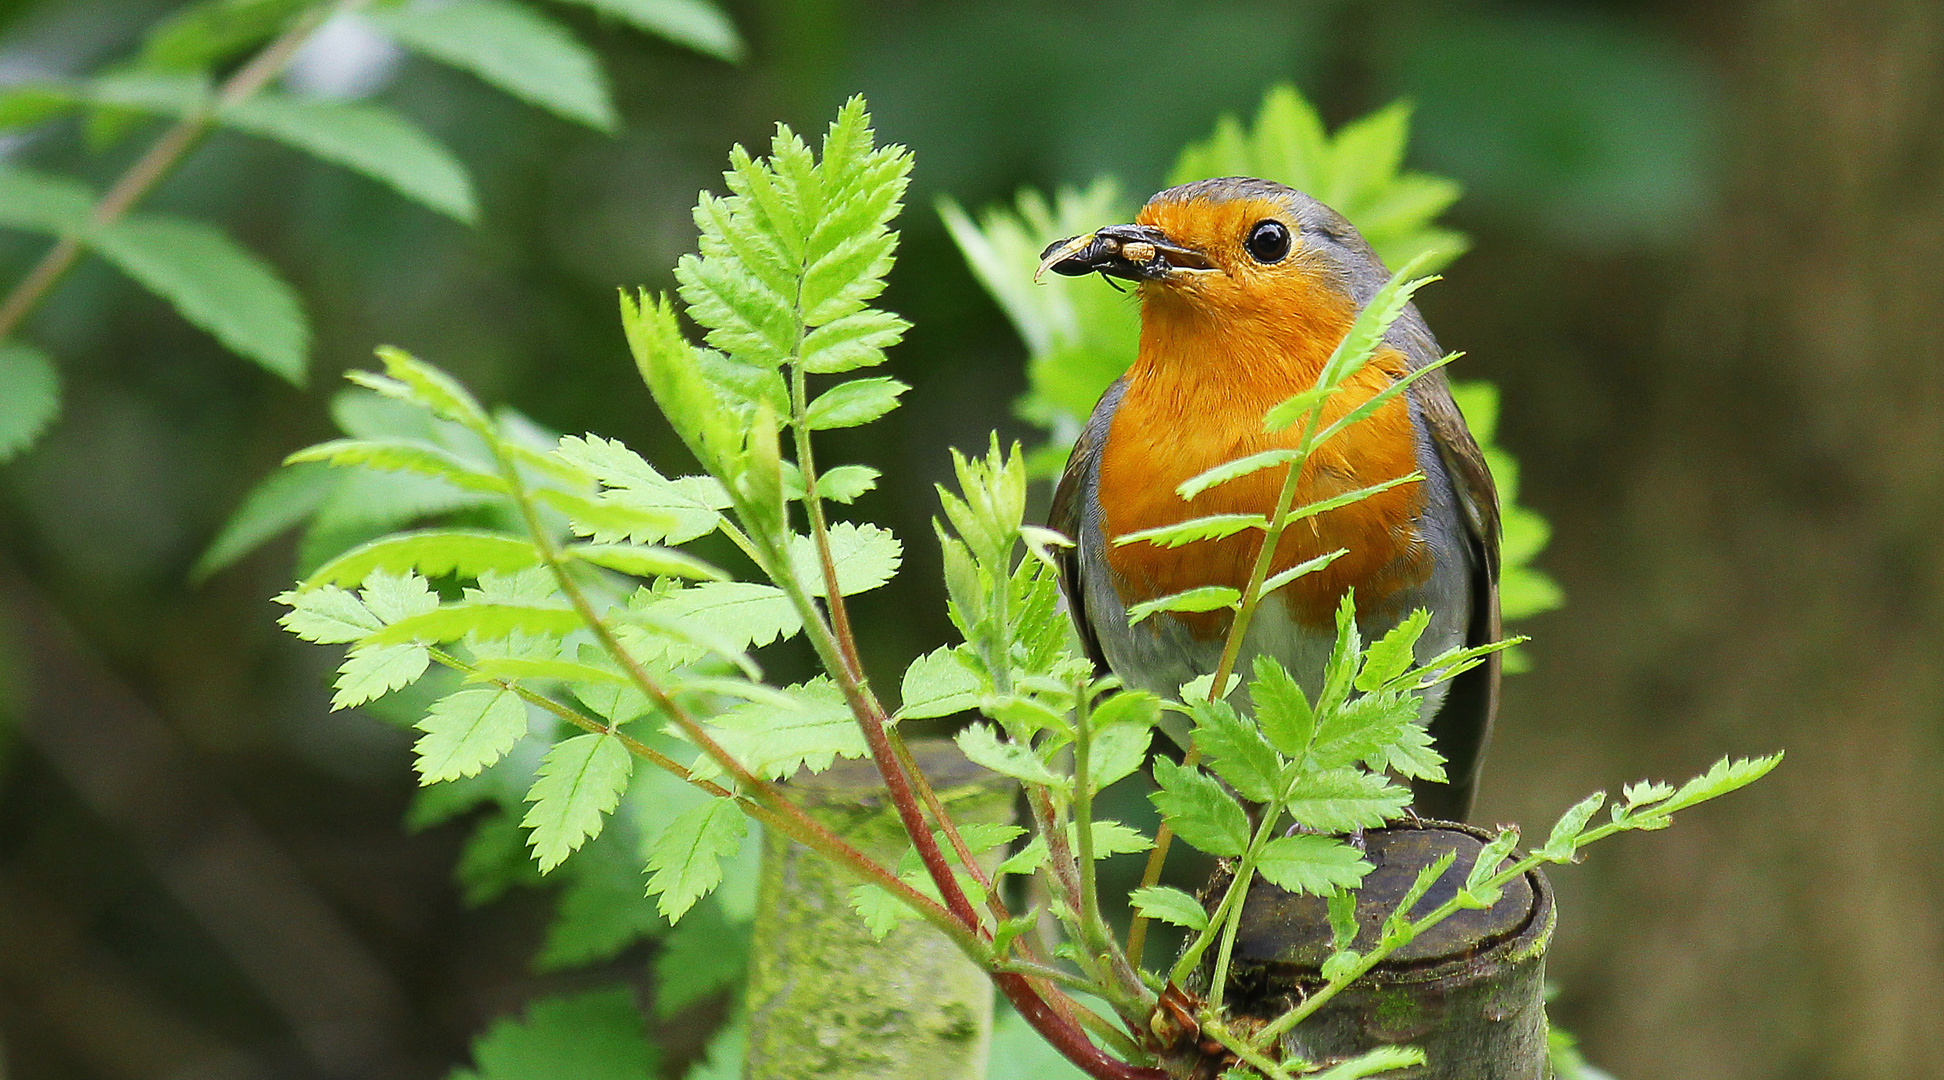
(1268, 241)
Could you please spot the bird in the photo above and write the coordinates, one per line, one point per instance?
(1245, 287)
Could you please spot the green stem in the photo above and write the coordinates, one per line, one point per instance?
(1213, 1027)
(162, 156)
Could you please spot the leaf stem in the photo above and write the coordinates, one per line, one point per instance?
(162, 156)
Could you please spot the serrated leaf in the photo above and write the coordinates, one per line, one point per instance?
(1308, 566)
(466, 731)
(1198, 810)
(1109, 838)
(30, 396)
(697, 24)
(1169, 905)
(1341, 800)
(847, 483)
(857, 340)
(1209, 527)
(513, 668)
(1490, 860)
(481, 620)
(938, 684)
(852, 403)
(327, 615)
(1237, 751)
(808, 726)
(1559, 844)
(375, 670)
(1372, 1062)
(1389, 656)
(214, 283)
(984, 747)
(402, 455)
(601, 912)
(1721, 778)
(1305, 863)
(1282, 710)
(744, 612)
(512, 47)
(594, 1035)
(430, 552)
(866, 557)
(686, 859)
(1201, 598)
(1234, 470)
(368, 139)
(580, 782)
(646, 560)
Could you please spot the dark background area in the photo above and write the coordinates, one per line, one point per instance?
(1707, 274)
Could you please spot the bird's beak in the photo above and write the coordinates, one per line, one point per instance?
(1134, 252)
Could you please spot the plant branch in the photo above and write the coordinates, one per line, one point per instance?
(162, 156)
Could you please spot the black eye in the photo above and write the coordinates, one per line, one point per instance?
(1268, 241)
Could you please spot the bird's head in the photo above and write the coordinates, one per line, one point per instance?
(1236, 249)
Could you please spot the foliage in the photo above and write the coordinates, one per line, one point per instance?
(1080, 336)
(212, 281)
(593, 683)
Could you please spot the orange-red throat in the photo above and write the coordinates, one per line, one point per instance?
(1218, 349)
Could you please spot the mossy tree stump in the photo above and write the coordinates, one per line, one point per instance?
(1468, 992)
(826, 999)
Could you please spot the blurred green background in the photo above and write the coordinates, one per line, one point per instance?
(1707, 269)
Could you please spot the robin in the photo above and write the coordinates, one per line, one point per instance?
(1246, 286)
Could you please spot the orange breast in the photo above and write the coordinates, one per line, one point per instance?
(1195, 398)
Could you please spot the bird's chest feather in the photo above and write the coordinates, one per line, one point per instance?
(1189, 407)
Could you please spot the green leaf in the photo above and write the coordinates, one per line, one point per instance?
(1308, 566)
(866, 556)
(30, 396)
(40, 202)
(1721, 778)
(645, 560)
(1200, 598)
(1305, 863)
(512, 47)
(1490, 861)
(215, 284)
(1294, 408)
(374, 670)
(697, 24)
(704, 955)
(431, 552)
(1199, 810)
(668, 365)
(368, 139)
(1282, 710)
(1109, 838)
(1346, 498)
(1169, 905)
(1372, 1062)
(1340, 800)
(938, 684)
(807, 726)
(669, 511)
(278, 502)
(1211, 527)
(402, 455)
(1391, 655)
(1008, 758)
(857, 340)
(853, 403)
(327, 615)
(1234, 470)
(1237, 751)
(596, 1035)
(481, 620)
(686, 860)
(409, 379)
(847, 483)
(466, 731)
(198, 35)
(580, 782)
(1117, 751)
(744, 612)
(601, 912)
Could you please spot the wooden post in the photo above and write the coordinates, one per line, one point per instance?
(1467, 992)
(825, 998)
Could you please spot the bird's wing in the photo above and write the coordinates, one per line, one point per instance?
(1068, 513)
(1463, 724)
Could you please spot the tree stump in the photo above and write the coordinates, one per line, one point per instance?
(825, 998)
(1468, 992)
